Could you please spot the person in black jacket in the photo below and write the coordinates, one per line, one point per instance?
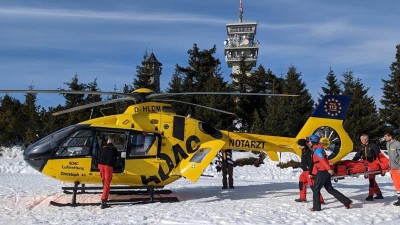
(107, 158)
(369, 151)
(306, 165)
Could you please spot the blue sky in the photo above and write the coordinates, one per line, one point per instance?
(45, 42)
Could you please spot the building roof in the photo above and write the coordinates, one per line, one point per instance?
(152, 59)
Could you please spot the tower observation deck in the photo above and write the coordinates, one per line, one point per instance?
(241, 43)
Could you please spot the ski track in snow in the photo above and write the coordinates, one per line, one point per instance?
(263, 195)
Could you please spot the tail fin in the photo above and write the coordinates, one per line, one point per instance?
(327, 122)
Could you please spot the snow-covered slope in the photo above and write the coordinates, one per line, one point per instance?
(263, 195)
(12, 161)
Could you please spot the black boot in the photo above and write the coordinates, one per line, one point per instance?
(348, 205)
(104, 204)
(397, 203)
(369, 198)
(379, 196)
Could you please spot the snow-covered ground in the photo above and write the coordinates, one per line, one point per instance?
(263, 195)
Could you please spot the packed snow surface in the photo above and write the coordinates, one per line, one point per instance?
(263, 195)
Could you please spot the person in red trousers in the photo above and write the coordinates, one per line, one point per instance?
(369, 151)
(107, 159)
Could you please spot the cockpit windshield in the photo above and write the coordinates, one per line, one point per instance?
(50, 142)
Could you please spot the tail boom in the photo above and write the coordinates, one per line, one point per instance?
(256, 142)
(326, 121)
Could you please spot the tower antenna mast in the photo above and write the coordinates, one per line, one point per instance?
(241, 12)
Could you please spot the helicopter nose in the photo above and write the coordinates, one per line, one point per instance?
(34, 162)
(36, 155)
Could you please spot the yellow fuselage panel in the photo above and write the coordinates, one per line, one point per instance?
(146, 167)
(147, 108)
(71, 170)
(78, 170)
(256, 142)
(144, 116)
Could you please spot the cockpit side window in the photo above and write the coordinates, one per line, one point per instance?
(142, 144)
(77, 144)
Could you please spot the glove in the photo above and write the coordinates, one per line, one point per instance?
(218, 168)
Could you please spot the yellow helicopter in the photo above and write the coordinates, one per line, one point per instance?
(157, 147)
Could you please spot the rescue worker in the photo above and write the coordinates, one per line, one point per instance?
(107, 158)
(225, 164)
(369, 151)
(393, 148)
(306, 165)
(322, 175)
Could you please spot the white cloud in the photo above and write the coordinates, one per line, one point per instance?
(109, 15)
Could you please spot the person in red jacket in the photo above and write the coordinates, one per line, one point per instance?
(107, 158)
(306, 165)
(369, 151)
(323, 172)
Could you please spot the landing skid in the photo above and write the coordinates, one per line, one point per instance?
(141, 195)
(121, 192)
(117, 202)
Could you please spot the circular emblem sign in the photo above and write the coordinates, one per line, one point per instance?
(332, 107)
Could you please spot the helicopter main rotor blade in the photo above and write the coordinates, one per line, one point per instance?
(90, 105)
(76, 92)
(202, 106)
(164, 95)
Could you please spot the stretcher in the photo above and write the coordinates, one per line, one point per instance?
(350, 168)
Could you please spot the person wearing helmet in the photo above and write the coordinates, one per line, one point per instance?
(323, 172)
(306, 165)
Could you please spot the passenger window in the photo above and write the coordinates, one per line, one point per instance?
(143, 144)
(119, 139)
(78, 144)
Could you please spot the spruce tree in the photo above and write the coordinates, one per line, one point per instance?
(275, 108)
(12, 122)
(333, 86)
(298, 108)
(50, 123)
(257, 81)
(390, 113)
(216, 83)
(121, 106)
(287, 115)
(74, 100)
(175, 85)
(241, 82)
(261, 81)
(258, 124)
(362, 116)
(203, 73)
(32, 119)
(94, 112)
